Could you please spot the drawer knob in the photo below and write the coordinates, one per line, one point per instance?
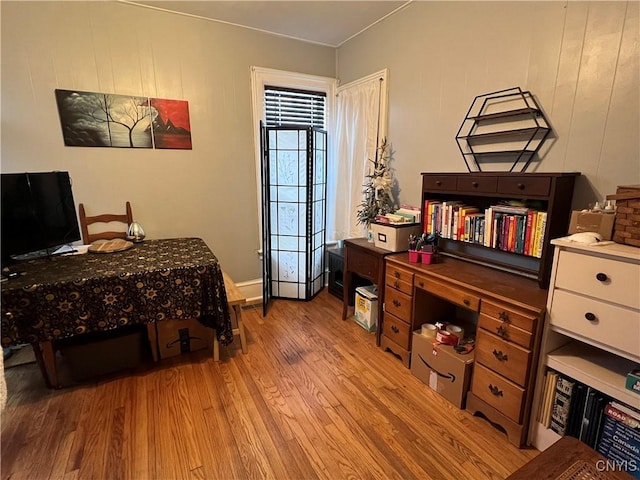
(395, 329)
(396, 274)
(500, 356)
(474, 184)
(520, 186)
(396, 302)
(421, 284)
(501, 331)
(590, 316)
(602, 277)
(396, 284)
(504, 316)
(495, 390)
(466, 302)
(438, 182)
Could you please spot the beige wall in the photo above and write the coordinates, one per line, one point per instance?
(109, 47)
(580, 60)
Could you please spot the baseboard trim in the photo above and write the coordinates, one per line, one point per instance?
(252, 289)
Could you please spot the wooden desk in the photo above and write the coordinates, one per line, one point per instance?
(509, 310)
(367, 261)
(65, 296)
(568, 458)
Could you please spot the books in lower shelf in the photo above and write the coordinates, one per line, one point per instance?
(571, 408)
(620, 439)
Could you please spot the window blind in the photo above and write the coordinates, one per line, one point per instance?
(294, 107)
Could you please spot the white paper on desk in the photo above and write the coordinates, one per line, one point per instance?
(71, 250)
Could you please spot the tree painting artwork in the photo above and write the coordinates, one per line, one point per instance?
(91, 119)
(170, 124)
(103, 120)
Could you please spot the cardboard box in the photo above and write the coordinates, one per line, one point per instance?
(440, 367)
(633, 381)
(366, 310)
(601, 223)
(181, 336)
(394, 237)
(102, 353)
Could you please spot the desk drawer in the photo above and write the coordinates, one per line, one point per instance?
(506, 331)
(477, 184)
(452, 294)
(366, 265)
(397, 303)
(439, 182)
(497, 391)
(396, 330)
(620, 281)
(522, 320)
(399, 274)
(507, 359)
(399, 284)
(524, 186)
(598, 321)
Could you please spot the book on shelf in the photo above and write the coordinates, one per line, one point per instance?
(549, 385)
(576, 410)
(588, 411)
(561, 404)
(620, 437)
(549, 398)
(488, 227)
(591, 424)
(539, 235)
(447, 217)
(596, 421)
(428, 211)
(531, 225)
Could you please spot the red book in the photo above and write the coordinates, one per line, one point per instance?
(527, 235)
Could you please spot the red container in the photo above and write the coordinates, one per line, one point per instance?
(427, 257)
(414, 256)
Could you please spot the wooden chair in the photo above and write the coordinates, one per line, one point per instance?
(85, 221)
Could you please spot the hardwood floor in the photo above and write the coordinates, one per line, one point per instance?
(313, 398)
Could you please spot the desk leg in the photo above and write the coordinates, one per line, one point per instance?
(46, 358)
(346, 286)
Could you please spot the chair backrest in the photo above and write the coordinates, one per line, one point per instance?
(85, 221)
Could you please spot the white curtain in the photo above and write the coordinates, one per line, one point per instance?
(360, 127)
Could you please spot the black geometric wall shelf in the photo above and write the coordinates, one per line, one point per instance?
(501, 131)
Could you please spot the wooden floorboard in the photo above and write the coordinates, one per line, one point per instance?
(313, 399)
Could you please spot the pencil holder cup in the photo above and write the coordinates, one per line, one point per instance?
(428, 257)
(414, 256)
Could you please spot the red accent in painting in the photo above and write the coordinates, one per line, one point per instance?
(175, 110)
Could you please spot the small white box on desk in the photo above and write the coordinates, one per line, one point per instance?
(394, 237)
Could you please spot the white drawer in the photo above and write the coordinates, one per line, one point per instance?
(611, 325)
(611, 280)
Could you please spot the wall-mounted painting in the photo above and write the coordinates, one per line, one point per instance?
(91, 119)
(171, 128)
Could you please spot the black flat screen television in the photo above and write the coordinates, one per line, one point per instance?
(38, 213)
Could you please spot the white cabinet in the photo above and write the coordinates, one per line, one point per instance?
(592, 329)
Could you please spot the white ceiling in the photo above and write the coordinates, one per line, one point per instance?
(324, 22)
